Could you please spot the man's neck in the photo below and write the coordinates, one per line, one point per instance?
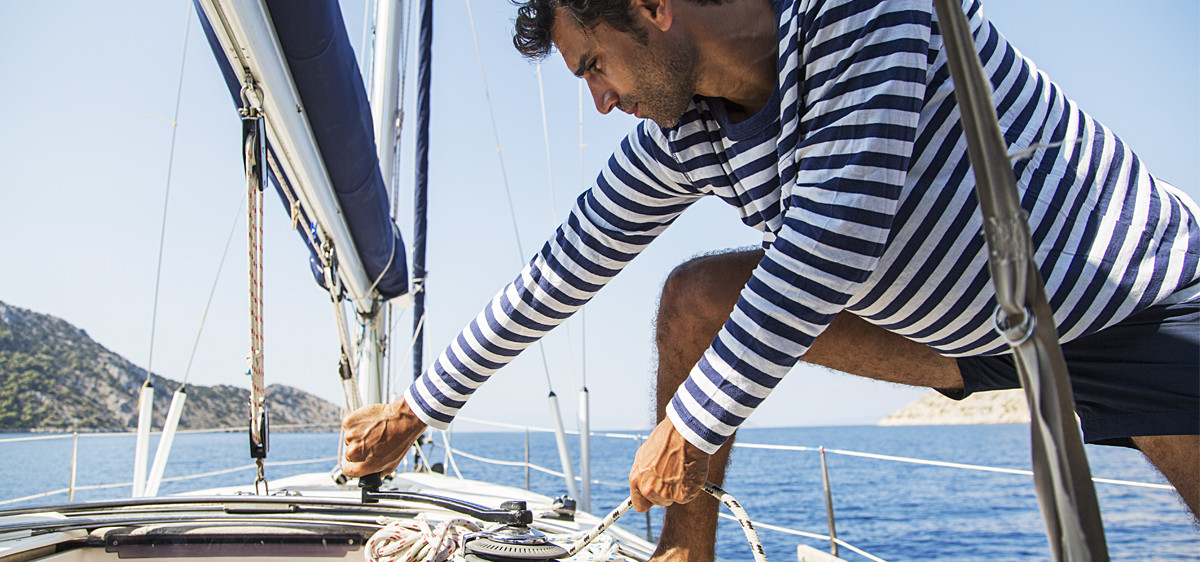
(736, 44)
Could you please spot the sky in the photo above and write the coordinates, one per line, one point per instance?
(86, 110)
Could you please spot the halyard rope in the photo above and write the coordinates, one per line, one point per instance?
(254, 158)
(254, 231)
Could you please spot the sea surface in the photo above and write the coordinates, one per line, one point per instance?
(894, 510)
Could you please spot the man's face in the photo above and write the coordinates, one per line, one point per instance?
(654, 81)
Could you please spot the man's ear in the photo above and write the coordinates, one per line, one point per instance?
(658, 13)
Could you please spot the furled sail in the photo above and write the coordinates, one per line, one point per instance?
(322, 64)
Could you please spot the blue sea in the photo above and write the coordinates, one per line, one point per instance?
(894, 510)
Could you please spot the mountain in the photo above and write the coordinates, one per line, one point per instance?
(53, 377)
(1001, 406)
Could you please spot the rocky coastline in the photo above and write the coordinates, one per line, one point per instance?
(55, 378)
(997, 407)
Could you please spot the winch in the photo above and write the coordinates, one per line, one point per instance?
(511, 542)
(514, 541)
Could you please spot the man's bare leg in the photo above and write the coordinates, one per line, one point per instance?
(1178, 458)
(697, 299)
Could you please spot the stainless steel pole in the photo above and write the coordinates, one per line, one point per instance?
(833, 547)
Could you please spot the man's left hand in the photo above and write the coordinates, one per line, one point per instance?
(666, 470)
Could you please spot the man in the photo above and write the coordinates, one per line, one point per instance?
(832, 127)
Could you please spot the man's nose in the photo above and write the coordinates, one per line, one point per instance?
(604, 96)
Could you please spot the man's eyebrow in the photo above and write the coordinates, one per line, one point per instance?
(581, 66)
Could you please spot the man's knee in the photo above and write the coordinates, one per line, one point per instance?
(705, 288)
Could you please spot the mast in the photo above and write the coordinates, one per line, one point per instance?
(424, 64)
(385, 111)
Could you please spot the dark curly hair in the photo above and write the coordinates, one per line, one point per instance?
(531, 34)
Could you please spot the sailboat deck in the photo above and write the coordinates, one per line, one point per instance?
(308, 516)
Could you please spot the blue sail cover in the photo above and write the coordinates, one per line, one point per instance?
(325, 71)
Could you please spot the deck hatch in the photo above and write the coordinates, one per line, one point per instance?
(193, 545)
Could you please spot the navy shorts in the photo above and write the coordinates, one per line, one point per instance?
(1138, 377)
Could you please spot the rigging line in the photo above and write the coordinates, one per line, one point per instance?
(325, 255)
(367, 29)
(495, 134)
(420, 324)
(412, 342)
(391, 260)
(406, 8)
(162, 236)
(582, 313)
(393, 128)
(228, 240)
(391, 353)
(546, 138)
(582, 144)
(512, 211)
(582, 348)
(396, 319)
(404, 49)
(553, 200)
(298, 211)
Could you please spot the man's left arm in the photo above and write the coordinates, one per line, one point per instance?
(854, 125)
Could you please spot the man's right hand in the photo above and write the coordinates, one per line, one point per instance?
(377, 436)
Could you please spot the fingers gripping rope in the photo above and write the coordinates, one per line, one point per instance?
(709, 488)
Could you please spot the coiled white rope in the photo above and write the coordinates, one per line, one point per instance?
(412, 541)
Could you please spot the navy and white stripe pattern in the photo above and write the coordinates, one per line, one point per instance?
(857, 174)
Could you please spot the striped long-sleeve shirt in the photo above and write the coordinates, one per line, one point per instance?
(857, 174)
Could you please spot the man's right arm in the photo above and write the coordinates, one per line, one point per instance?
(376, 437)
(636, 196)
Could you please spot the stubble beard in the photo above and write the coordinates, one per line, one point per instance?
(666, 82)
